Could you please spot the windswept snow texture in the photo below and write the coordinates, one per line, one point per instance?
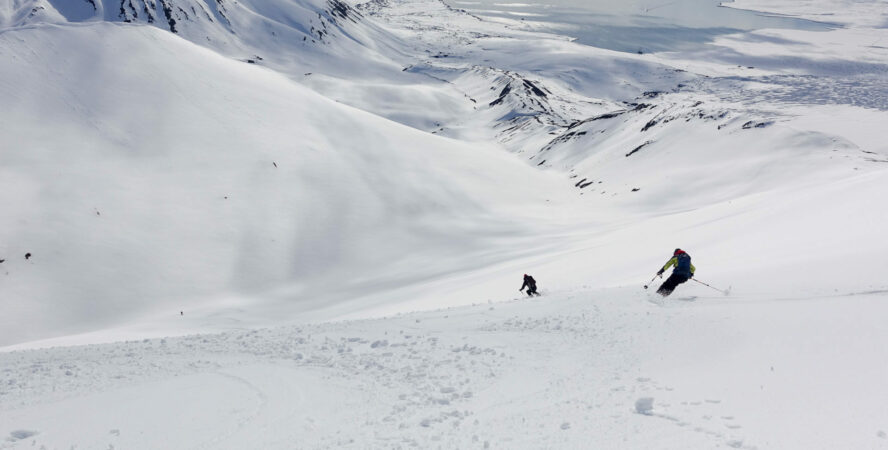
(575, 369)
(302, 224)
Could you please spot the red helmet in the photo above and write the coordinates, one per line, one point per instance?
(677, 252)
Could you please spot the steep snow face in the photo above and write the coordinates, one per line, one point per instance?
(213, 18)
(146, 174)
(291, 36)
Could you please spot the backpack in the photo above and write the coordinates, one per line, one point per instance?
(683, 266)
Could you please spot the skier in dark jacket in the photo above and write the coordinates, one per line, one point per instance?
(683, 272)
(531, 286)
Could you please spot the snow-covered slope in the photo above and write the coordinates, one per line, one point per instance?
(293, 37)
(137, 112)
(200, 20)
(575, 369)
(273, 173)
(614, 122)
(149, 173)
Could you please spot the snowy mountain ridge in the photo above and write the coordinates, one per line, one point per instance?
(583, 111)
(190, 18)
(292, 37)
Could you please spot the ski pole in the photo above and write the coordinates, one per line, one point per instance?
(704, 284)
(652, 281)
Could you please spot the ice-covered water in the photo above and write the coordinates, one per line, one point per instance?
(635, 25)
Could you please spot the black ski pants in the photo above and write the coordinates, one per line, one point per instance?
(669, 285)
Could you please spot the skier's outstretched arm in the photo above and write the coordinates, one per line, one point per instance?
(669, 264)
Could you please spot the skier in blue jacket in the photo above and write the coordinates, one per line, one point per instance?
(683, 271)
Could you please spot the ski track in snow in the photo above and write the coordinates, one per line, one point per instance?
(446, 378)
(422, 379)
(614, 366)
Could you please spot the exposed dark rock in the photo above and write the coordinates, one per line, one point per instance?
(337, 8)
(122, 12)
(610, 115)
(755, 124)
(649, 125)
(168, 13)
(641, 106)
(536, 90)
(606, 116)
(639, 148)
(133, 8)
(220, 8)
(149, 8)
(502, 95)
(566, 137)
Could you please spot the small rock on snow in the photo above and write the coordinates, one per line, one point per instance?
(644, 405)
(18, 435)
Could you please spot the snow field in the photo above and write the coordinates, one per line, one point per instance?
(610, 368)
